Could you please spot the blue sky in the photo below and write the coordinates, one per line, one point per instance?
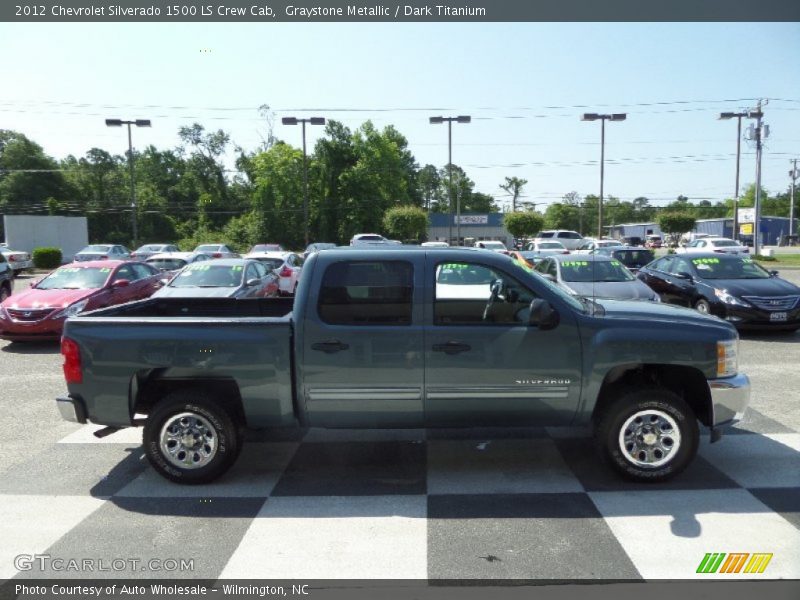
(524, 84)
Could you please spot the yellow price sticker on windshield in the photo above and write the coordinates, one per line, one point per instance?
(705, 261)
(236, 268)
(575, 263)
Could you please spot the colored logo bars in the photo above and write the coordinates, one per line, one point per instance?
(734, 563)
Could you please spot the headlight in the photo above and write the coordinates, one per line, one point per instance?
(729, 299)
(71, 310)
(727, 358)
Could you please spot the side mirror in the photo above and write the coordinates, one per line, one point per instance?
(542, 315)
(252, 282)
(120, 283)
(774, 273)
(35, 282)
(548, 276)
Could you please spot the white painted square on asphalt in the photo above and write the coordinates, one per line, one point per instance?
(666, 534)
(532, 466)
(254, 475)
(31, 524)
(757, 460)
(334, 537)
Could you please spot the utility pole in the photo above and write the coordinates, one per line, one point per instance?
(794, 174)
(738, 116)
(312, 121)
(449, 120)
(758, 115)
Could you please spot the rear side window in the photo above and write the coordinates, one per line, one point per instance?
(571, 235)
(546, 234)
(367, 293)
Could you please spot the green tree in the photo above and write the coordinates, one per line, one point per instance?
(406, 222)
(562, 216)
(523, 224)
(676, 223)
(429, 183)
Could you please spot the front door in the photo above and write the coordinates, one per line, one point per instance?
(361, 358)
(484, 363)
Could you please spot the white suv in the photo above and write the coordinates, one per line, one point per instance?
(368, 238)
(569, 239)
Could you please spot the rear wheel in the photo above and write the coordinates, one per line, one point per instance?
(648, 434)
(190, 438)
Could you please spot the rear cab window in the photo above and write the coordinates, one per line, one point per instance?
(367, 293)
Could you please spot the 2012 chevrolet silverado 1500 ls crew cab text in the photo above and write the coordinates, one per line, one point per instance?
(399, 337)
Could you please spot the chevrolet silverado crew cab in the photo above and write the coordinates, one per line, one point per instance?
(397, 337)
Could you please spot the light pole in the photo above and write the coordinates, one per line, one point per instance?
(138, 123)
(439, 121)
(602, 119)
(738, 116)
(794, 174)
(312, 121)
(760, 133)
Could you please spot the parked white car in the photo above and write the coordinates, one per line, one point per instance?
(368, 238)
(435, 245)
(148, 250)
(286, 265)
(216, 251)
(588, 246)
(714, 244)
(17, 260)
(570, 239)
(493, 245)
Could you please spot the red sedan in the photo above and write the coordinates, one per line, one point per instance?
(39, 313)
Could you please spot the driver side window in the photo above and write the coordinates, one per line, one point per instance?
(474, 294)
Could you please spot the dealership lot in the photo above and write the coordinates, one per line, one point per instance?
(519, 503)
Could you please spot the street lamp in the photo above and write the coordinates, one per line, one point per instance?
(449, 120)
(794, 174)
(312, 121)
(602, 119)
(138, 123)
(738, 116)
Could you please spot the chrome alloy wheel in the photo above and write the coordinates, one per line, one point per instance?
(649, 438)
(188, 440)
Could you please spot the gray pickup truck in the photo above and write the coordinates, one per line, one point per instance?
(402, 337)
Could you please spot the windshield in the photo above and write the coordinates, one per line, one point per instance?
(208, 275)
(729, 268)
(609, 243)
(265, 248)
(208, 248)
(167, 264)
(724, 243)
(96, 249)
(151, 248)
(494, 245)
(581, 271)
(370, 238)
(633, 258)
(75, 278)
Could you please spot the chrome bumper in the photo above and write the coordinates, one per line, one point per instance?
(729, 399)
(72, 409)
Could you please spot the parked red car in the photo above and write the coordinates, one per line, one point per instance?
(39, 313)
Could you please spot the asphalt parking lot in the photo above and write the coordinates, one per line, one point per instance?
(475, 504)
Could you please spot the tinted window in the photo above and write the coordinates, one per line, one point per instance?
(367, 293)
(463, 292)
(124, 272)
(729, 268)
(141, 271)
(209, 274)
(167, 264)
(633, 258)
(569, 235)
(597, 270)
(261, 270)
(546, 234)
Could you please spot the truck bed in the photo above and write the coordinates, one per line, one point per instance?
(199, 307)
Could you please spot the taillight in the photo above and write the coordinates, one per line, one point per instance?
(104, 258)
(285, 272)
(72, 361)
(216, 255)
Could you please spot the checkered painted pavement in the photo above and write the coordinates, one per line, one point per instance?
(408, 504)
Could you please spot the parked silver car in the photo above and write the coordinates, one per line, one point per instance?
(103, 252)
(216, 251)
(595, 276)
(18, 261)
(148, 250)
(223, 278)
(174, 261)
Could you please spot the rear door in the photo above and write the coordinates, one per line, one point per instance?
(484, 364)
(361, 361)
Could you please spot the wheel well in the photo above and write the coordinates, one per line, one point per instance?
(689, 383)
(151, 389)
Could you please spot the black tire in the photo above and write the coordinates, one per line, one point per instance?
(638, 456)
(215, 436)
(702, 306)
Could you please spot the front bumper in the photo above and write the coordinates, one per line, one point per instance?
(729, 399)
(72, 409)
(753, 318)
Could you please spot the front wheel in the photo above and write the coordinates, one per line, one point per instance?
(189, 438)
(648, 435)
(702, 306)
